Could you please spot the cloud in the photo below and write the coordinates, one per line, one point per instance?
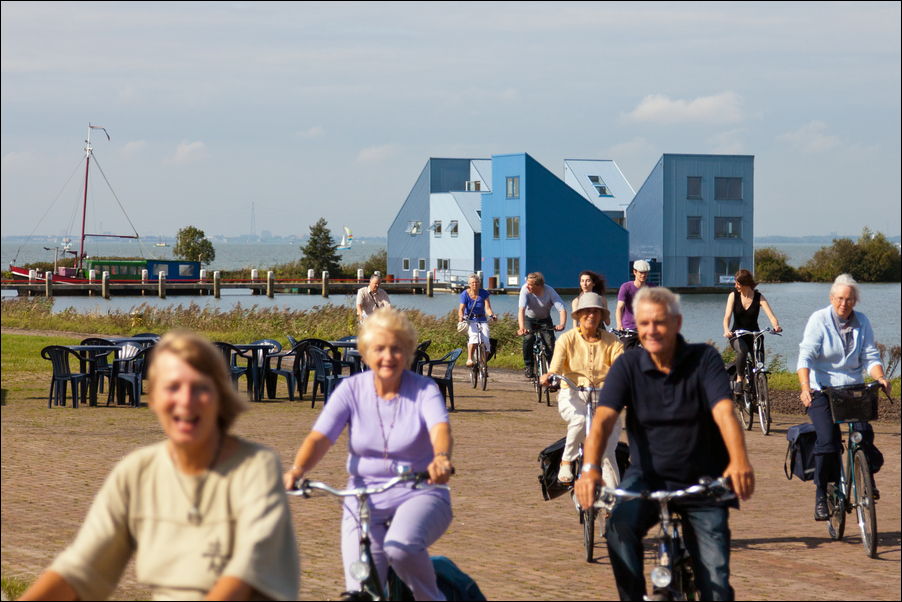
(16, 160)
(133, 148)
(314, 132)
(718, 109)
(811, 138)
(189, 152)
(377, 154)
(727, 143)
(636, 147)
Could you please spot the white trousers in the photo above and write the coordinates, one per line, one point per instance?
(479, 332)
(573, 410)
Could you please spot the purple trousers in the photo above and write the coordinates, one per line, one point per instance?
(418, 518)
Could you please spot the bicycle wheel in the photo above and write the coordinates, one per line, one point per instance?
(537, 366)
(743, 409)
(836, 510)
(864, 503)
(545, 390)
(483, 372)
(474, 374)
(588, 520)
(763, 394)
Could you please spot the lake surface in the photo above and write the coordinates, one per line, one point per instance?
(793, 303)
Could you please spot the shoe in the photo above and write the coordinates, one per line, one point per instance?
(470, 363)
(820, 510)
(529, 374)
(737, 387)
(565, 474)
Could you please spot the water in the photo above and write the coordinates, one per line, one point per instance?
(793, 303)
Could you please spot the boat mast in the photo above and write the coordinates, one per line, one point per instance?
(84, 206)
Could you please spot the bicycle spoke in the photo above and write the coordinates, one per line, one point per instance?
(864, 503)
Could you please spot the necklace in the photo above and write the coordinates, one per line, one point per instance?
(385, 437)
(194, 515)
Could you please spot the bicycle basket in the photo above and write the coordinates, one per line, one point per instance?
(852, 403)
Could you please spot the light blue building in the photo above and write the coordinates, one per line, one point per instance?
(438, 228)
(509, 216)
(693, 219)
(532, 221)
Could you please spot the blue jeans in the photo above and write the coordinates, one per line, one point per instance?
(705, 530)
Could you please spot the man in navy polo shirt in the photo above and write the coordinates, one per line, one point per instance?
(681, 427)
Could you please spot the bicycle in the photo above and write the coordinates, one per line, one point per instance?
(755, 396)
(364, 568)
(479, 371)
(588, 516)
(627, 336)
(541, 358)
(672, 576)
(856, 482)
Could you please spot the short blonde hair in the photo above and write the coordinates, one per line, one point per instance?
(203, 356)
(394, 321)
(537, 277)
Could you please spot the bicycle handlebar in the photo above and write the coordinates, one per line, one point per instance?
(739, 332)
(625, 332)
(556, 378)
(305, 487)
(719, 487)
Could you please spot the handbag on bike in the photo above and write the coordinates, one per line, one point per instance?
(800, 452)
(549, 465)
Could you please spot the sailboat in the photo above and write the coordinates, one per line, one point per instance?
(346, 240)
(119, 269)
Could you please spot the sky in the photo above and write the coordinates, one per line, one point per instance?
(287, 112)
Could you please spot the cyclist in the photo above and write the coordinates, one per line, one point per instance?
(837, 347)
(584, 355)
(534, 309)
(371, 297)
(396, 419)
(682, 427)
(743, 305)
(591, 282)
(203, 511)
(475, 306)
(628, 290)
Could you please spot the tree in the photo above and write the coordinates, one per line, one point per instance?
(320, 252)
(771, 266)
(191, 244)
(872, 259)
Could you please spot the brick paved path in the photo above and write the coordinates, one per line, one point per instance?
(514, 544)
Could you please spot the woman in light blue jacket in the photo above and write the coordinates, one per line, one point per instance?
(837, 349)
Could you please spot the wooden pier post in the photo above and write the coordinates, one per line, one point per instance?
(48, 284)
(270, 284)
(92, 276)
(105, 285)
(217, 284)
(360, 275)
(144, 275)
(161, 285)
(203, 277)
(255, 275)
(325, 284)
(429, 283)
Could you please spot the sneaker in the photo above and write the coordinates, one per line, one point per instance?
(529, 373)
(470, 363)
(737, 387)
(565, 474)
(820, 510)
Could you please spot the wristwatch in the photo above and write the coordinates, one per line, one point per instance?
(587, 467)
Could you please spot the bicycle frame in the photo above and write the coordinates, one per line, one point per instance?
(755, 396)
(364, 568)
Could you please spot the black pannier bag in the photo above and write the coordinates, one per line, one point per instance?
(549, 465)
(800, 452)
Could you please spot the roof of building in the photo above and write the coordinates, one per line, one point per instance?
(600, 181)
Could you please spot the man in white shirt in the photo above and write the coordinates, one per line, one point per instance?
(370, 298)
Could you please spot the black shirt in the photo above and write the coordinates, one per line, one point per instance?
(673, 438)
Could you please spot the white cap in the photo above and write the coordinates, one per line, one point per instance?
(641, 266)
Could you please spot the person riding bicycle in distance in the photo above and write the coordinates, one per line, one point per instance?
(682, 427)
(743, 305)
(476, 307)
(534, 309)
(625, 295)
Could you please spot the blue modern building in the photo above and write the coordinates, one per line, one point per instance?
(693, 219)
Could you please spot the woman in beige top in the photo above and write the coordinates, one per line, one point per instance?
(584, 355)
(203, 511)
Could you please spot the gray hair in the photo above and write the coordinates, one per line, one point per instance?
(659, 296)
(846, 280)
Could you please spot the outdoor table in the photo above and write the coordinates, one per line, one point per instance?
(89, 355)
(256, 351)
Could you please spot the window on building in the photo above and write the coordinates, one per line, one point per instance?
(443, 264)
(405, 264)
(600, 187)
(694, 271)
(414, 228)
(513, 187)
(453, 228)
(725, 269)
(186, 270)
(496, 228)
(496, 267)
(513, 227)
(421, 264)
(727, 227)
(694, 226)
(694, 187)
(474, 186)
(513, 271)
(727, 189)
(437, 228)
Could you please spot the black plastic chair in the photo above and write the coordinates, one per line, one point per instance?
(444, 381)
(99, 367)
(63, 376)
(419, 359)
(305, 366)
(130, 374)
(326, 372)
(261, 366)
(230, 354)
